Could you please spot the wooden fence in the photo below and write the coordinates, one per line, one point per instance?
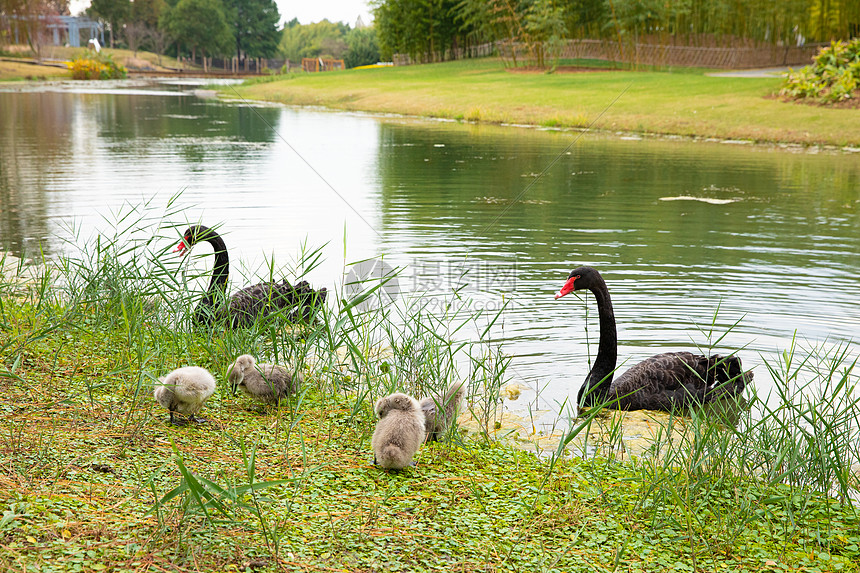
(321, 65)
(735, 57)
(477, 51)
(245, 66)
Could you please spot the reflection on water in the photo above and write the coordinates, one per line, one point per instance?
(678, 229)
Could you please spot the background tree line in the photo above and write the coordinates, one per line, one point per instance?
(27, 20)
(336, 40)
(244, 28)
(441, 27)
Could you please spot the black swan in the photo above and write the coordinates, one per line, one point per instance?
(673, 380)
(246, 305)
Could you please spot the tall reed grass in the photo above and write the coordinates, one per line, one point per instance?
(127, 284)
(789, 459)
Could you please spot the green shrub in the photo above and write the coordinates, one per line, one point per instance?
(833, 77)
(96, 67)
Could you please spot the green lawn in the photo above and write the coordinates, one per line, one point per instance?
(13, 71)
(677, 102)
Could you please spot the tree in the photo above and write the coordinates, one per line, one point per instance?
(198, 25)
(255, 26)
(362, 48)
(114, 12)
(141, 23)
(424, 29)
(433, 29)
(584, 18)
(314, 40)
(158, 37)
(496, 21)
(147, 12)
(546, 30)
(32, 18)
(134, 33)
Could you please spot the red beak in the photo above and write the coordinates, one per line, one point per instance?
(568, 287)
(181, 247)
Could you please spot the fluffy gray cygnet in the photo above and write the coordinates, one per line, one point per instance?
(399, 432)
(184, 391)
(265, 382)
(441, 411)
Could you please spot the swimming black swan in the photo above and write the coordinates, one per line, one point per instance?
(245, 305)
(673, 380)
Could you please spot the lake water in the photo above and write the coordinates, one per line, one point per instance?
(679, 229)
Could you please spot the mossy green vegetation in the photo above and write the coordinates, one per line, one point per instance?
(671, 102)
(95, 479)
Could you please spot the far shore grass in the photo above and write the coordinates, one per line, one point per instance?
(684, 102)
(11, 71)
(25, 68)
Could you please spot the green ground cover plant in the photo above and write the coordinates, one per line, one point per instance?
(833, 77)
(686, 102)
(94, 479)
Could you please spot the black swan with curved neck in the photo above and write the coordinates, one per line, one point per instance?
(672, 380)
(249, 303)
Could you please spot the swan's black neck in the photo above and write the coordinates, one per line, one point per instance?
(218, 282)
(600, 377)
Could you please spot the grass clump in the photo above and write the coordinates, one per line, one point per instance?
(94, 479)
(833, 77)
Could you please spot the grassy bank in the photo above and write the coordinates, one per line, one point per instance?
(27, 70)
(687, 102)
(15, 71)
(94, 479)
